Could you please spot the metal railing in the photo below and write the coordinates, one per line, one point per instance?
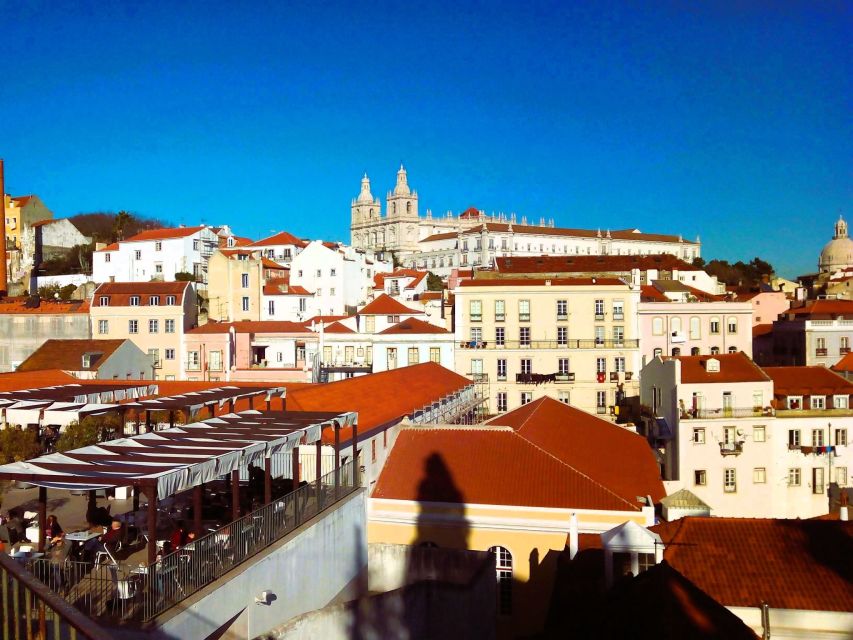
(32, 610)
(593, 343)
(728, 412)
(124, 593)
(731, 448)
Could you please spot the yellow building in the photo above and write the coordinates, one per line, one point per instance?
(523, 486)
(236, 279)
(21, 212)
(153, 315)
(575, 339)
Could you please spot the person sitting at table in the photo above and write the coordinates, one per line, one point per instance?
(105, 542)
(16, 524)
(53, 531)
(179, 536)
(98, 517)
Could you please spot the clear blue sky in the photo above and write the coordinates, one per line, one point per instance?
(726, 119)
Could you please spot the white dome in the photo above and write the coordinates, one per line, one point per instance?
(402, 186)
(838, 252)
(365, 196)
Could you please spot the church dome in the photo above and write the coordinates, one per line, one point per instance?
(365, 196)
(402, 186)
(838, 252)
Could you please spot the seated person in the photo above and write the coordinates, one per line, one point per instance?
(179, 536)
(98, 517)
(53, 531)
(16, 525)
(105, 542)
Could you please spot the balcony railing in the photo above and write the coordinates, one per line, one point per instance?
(820, 352)
(593, 343)
(733, 412)
(731, 448)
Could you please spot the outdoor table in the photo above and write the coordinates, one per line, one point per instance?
(33, 533)
(82, 536)
(23, 556)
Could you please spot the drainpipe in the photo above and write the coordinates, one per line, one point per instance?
(765, 621)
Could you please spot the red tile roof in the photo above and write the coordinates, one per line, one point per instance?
(19, 380)
(485, 466)
(649, 293)
(587, 264)
(280, 238)
(68, 355)
(734, 367)
(807, 381)
(380, 398)
(762, 330)
(18, 306)
(417, 276)
(430, 295)
(845, 364)
(503, 227)
(822, 309)
(578, 439)
(22, 201)
(110, 247)
(541, 282)
(164, 234)
(337, 327)
(413, 326)
(703, 296)
(119, 293)
(252, 326)
(384, 305)
(471, 213)
(742, 562)
(327, 319)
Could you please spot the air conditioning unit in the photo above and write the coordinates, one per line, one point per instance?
(677, 337)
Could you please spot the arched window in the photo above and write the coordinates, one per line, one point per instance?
(371, 213)
(732, 349)
(503, 568)
(657, 326)
(393, 208)
(658, 352)
(731, 324)
(694, 351)
(675, 324)
(408, 207)
(715, 350)
(676, 351)
(695, 328)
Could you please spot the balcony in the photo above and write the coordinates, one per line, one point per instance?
(820, 352)
(731, 412)
(844, 350)
(731, 448)
(594, 343)
(601, 410)
(599, 316)
(524, 317)
(478, 317)
(813, 413)
(562, 317)
(535, 378)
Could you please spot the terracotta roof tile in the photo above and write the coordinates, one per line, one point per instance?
(110, 247)
(822, 309)
(18, 380)
(586, 264)
(503, 227)
(68, 354)
(120, 293)
(806, 381)
(578, 439)
(762, 330)
(252, 326)
(541, 282)
(337, 327)
(417, 276)
(485, 466)
(164, 234)
(386, 305)
(649, 293)
(280, 238)
(18, 306)
(845, 364)
(734, 367)
(742, 562)
(318, 319)
(413, 326)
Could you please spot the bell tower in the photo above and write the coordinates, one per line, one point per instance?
(365, 211)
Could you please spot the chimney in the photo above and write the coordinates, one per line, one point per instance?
(3, 275)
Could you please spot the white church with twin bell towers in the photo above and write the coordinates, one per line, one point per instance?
(440, 243)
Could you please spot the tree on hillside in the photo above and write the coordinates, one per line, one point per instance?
(746, 274)
(106, 226)
(434, 282)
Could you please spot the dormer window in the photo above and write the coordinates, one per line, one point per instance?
(230, 241)
(87, 360)
(170, 300)
(795, 402)
(712, 365)
(104, 301)
(840, 402)
(134, 301)
(154, 301)
(818, 402)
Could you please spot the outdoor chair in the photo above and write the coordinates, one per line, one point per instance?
(125, 590)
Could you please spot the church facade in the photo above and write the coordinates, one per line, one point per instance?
(472, 238)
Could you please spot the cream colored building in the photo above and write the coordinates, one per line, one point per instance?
(236, 283)
(154, 315)
(574, 339)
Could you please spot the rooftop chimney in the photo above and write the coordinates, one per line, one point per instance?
(3, 275)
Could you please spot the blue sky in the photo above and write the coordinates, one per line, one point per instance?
(726, 120)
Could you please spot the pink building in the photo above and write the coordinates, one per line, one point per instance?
(274, 351)
(766, 305)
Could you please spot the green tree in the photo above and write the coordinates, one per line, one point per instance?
(88, 431)
(434, 282)
(184, 276)
(122, 220)
(18, 444)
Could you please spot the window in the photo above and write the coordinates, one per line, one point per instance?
(715, 351)
(657, 353)
(499, 336)
(841, 437)
(414, 355)
(793, 437)
(333, 272)
(562, 309)
(526, 397)
(476, 334)
(694, 351)
(245, 303)
(133, 326)
(501, 401)
(758, 434)
(695, 328)
(195, 245)
(501, 369)
(331, 291)
(600, 401)
(601, 365)
(158, 246)
(793, 477)
(599, 309)
(729, 480)
(155, 357)
(818, 486)
(524, 336)
(599, 335)
(820, 347)
(524, 310)
(563, 396)
(618, 310)
(618, 335)
(170, 354)
(818, 402)
(841, 476)
(700, 477)
(137, 254)
(391, 357)
(244, 280)
(319, 273)
(503, 569)
(759, 475)
(107, 257)
(435, 354)
(170, 301)
(795, 402)
(840, 402)
(698, 436)
(731, 325)
(500, 311)
(563, 366)
(526, 365)
(817, 437)
(657, 326)
(134, 301)
(103, 326)
(619, 364)
(370, 324)
(733, 349)
(170, 326)
(393, 319)
(562, 336)
(715, 325)
(104, 301)
(153, 326)
(475, 310)
(271, 307)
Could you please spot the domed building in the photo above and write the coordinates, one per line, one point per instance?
(837, 254)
